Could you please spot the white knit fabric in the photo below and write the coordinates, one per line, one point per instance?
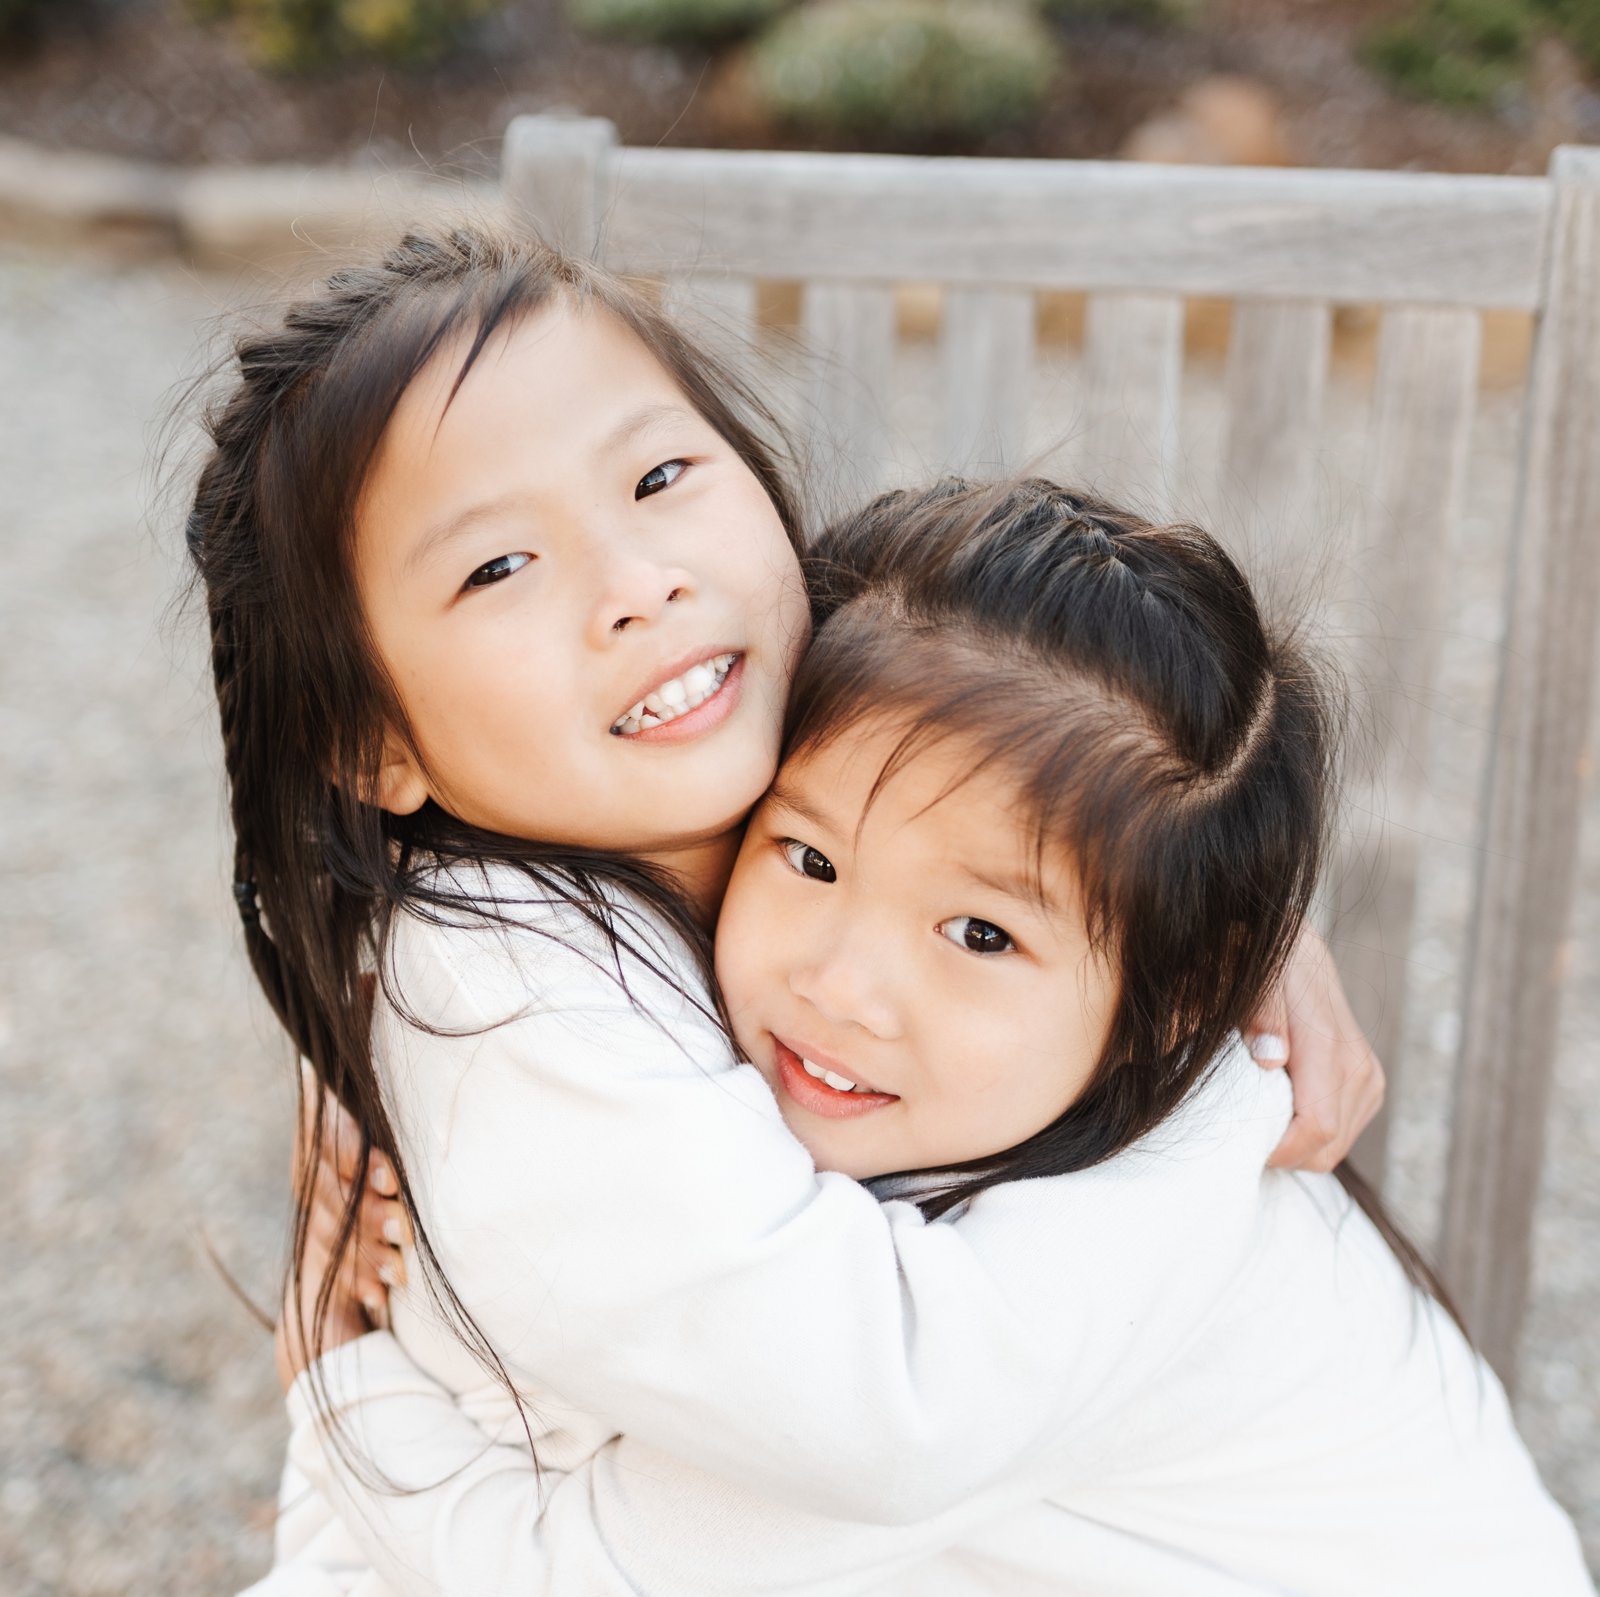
(1175, 1373)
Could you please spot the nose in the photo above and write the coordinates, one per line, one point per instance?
(849, 984)
(633, 590)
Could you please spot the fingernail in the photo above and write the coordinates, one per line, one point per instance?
(386, 1274)
(382, 1179)
(1268, 1047)
(394, 1231)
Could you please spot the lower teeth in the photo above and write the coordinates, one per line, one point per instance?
(649, 718)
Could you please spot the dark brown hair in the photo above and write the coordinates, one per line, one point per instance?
(304, 701)
(1120, 674)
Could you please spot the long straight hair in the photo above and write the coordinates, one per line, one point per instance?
(1121, 675)
(304, 702)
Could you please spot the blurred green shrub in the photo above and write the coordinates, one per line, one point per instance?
(905, 68)
(674, 21)
(1459, 52)
(1122, 10)
(302, 35)
(1579, 21)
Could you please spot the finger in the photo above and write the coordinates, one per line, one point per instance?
(367, 1285)
(384, 1232)
(1267, 1035)
(384, 1222)
(1312, 1133)
(325, 1222)
(358, 1281)
(1269, 1049)
(341, 1138)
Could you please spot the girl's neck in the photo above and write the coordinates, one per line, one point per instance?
(701, 869)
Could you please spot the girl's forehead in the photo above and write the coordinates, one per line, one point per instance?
(562, 360)
(893, 772)
(546, 396)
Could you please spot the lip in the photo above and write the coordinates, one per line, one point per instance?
(703, 717)
(817, 1096)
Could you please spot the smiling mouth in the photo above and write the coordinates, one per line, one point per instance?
(676, 696)
(822, 1089)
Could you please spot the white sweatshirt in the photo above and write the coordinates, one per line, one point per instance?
(1174, 1372)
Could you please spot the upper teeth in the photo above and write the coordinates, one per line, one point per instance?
(676, 697)
(833, 1078)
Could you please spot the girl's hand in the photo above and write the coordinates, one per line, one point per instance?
(1307, 1027)
(346, 1319)
(382, 1226)
(371, 1265)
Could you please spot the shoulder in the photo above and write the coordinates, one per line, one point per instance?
(1202, 1166)
(482, 944)
(1235, 1106)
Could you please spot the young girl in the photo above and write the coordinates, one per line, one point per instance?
(1048, 815)
(490, 556)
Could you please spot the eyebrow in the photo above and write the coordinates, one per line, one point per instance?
(786, 798)
(635, 425)
(1022, 890)
(646, 420)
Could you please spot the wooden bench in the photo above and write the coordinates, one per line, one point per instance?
(1284, 247)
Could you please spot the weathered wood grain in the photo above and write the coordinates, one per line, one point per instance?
(1540, 758)
(718, 311)
(1127, 444)
(1416, 471)
(986, 345)
(1363, 237)
(1276, 379)
(555, 174)
(848, 333)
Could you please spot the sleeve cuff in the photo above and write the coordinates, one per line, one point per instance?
(356, 1372)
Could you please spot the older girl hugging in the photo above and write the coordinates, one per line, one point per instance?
(468, 517)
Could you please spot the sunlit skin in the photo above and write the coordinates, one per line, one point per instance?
(908, 943)
(537, 554)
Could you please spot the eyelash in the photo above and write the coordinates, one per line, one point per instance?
(498, 569)
(790, 847)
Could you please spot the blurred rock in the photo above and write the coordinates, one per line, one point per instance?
(1220, 121)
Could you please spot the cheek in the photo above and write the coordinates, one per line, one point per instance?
(775, 594)
(1008, 1067)
(743, 952)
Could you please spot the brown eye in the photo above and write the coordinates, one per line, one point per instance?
(977, 936)
(659, 477)
(808, 861)
(497, 570)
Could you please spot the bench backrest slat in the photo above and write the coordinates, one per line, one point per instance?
(1425, 399)
(1133, 376)
(1541, 753)
(1276, 380)
(849, 333)
(717, 309)
(986, 349)
(1367, 237)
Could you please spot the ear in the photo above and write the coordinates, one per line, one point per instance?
(401, 788)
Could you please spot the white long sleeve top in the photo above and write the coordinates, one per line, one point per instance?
(1173, 1372)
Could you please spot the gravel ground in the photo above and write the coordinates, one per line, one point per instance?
(144, 1096)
